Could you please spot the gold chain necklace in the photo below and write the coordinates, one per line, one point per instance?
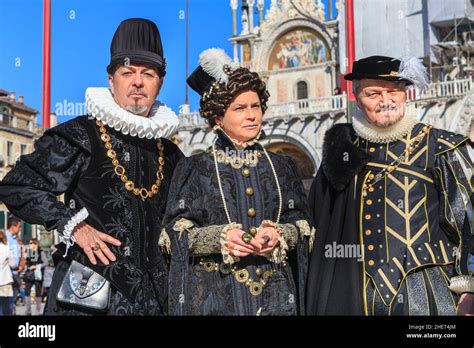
(373, 179)
(120, 170)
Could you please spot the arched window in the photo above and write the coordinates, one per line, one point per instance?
(301, 90)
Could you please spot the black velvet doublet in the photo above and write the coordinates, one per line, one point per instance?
(411, 228)
(71, 159)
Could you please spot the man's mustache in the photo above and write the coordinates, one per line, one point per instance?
(137, 91)
(387, 107)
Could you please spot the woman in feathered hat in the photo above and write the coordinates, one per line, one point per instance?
(236, 223)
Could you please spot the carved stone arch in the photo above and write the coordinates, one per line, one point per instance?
(269, 39)
(197, 149)
(287, 136)
(462, 120)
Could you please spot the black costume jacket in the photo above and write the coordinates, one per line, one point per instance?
(71, 159)
(200, 283)
(414, 222)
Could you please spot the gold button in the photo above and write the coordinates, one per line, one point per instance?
(368, 232)
(371, 262)
(249, 191)
(371, 176)
(368, 217)
(370, 247)
(251, 212)
(371, 189)
(369, 202)
(253, 231)
(372, 149)
(246, 172)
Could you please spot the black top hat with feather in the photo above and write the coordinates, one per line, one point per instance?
(409, 70)
(214, 68)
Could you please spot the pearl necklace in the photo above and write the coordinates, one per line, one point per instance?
(280, 199)
(237, 162)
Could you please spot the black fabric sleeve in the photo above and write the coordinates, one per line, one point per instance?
(31, 188)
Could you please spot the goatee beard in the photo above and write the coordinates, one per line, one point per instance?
(137, 109)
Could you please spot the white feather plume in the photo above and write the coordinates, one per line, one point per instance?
(412, 69)
(212, 62)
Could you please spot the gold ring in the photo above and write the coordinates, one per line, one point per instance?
(95, 246)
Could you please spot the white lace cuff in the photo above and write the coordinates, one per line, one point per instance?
(462, 284)
(67, 237)
(278, 254)
(306, 231)
(182, 225)
(226, 256)
(164, 242)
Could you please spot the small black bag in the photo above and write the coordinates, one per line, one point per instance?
(84, 288)
(29, 276)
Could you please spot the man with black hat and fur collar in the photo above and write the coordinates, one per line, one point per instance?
(114, 166)
(392, 206)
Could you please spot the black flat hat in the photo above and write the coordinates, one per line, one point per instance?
(377, 68)
(137, 41)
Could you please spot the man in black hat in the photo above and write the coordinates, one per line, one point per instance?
(114, 166)
(392, 206)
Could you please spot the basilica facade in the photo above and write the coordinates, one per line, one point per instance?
(298, 48)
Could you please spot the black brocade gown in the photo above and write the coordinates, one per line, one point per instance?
(200, 283)
(71, 159)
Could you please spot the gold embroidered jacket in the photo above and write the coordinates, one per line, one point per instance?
(419, 214)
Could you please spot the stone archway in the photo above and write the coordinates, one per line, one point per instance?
(197, 151)
(270, 38)
(304, 164)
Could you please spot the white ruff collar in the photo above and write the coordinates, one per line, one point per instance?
(376, 134)
(161, 123)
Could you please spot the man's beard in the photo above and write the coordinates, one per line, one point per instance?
(396, 115)
(137, 109)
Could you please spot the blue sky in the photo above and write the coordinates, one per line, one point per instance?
(81, 35)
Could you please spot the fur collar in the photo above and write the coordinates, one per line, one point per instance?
(161, 123)
(342, 160)
(385, 135)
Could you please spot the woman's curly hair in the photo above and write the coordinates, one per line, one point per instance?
(240, 80)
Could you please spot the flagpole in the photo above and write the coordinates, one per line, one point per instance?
(46, 92)
(187, 52)
(350, 43)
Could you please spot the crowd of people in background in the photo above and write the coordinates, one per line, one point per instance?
(23, 268)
